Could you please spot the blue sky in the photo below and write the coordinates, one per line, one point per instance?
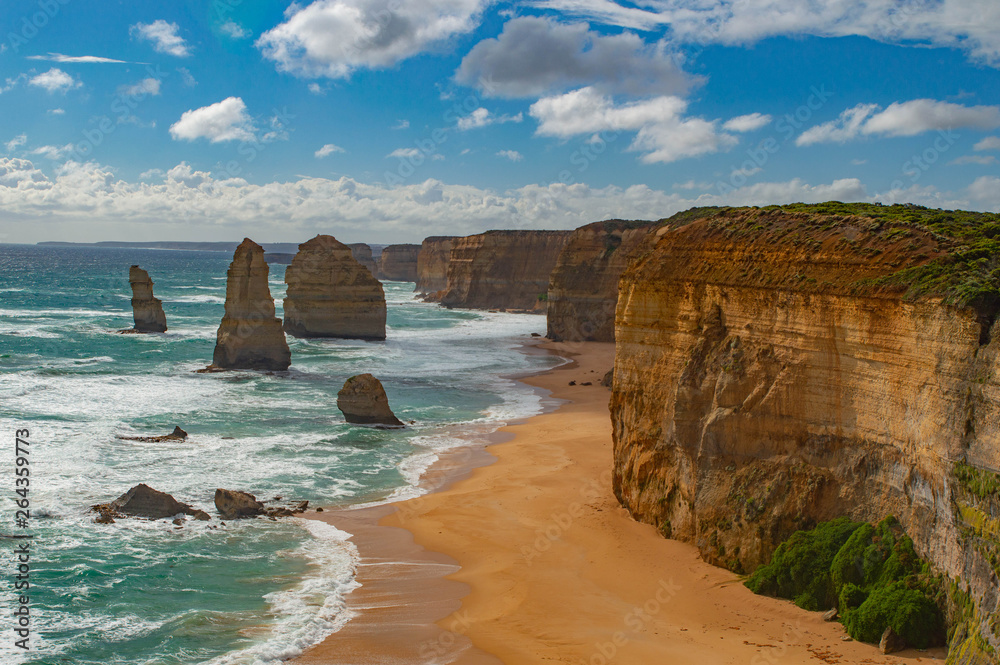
(391, 120)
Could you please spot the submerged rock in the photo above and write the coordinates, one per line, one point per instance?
(144, 501)
(363, 401)
(147, 311)
(330, 294)
(250, 336)
(177, 435)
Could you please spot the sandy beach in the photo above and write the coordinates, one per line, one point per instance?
(530, 560)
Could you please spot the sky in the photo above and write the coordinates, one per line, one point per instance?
(387, 121)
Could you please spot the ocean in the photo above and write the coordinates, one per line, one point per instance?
(252, 591)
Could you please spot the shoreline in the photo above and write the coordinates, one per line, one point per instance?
(530, 559)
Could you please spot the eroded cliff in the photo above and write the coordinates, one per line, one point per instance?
(583, 290)
(330, 294)
(432, 266)
(503, 270)
(780, 367)
(398, 263)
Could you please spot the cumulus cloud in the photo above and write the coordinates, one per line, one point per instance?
(163, 36)
(663, 133)
(227, 120)
(234, 30)
(332, 38)
(328, 150)
(404, 153)
(54, 80)
(988, 143)
(512, 155)
(144, 87)
(986, 192)
(53, 152)
(481, 117)
(747, 123)
(186, 201)
(16, 142)
(970, 25)
(59, 57)
(537, 56)
(901, 119)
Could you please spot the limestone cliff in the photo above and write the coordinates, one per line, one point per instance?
(363, 255)
(147, 311)
(330, 294)
(779, 367)
(398, 263)
(503, 270)
(250, 336)
(432, 265)
(583, 291)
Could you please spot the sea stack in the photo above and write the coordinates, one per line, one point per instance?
(432, 265)
(147, 311)
(363, 401)
(250, 336)
(363, 254)
(330, 294)
(398, 263)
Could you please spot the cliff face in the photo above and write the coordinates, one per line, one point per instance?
(583, 291)
(330, 294)
(398, 263)
(775, 370)
(363, 255)
(432, 265)
(503, 269)
(250, 337)
(147, 311)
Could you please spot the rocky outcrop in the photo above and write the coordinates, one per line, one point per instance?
(147, 311)
(503, 270)
(143, 501)
(583, 291)
(398, 263)
(250, 336)
(363, 255)
(778, 368)
(363, 401)
(330, 294)
(432, 266)
(177, 435)
(233, 504)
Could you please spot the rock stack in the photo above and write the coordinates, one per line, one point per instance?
(250, 336)
(398, 263)
(147, 311)
(330, 294)
(432, 265)
(363, 401)
(363, 254)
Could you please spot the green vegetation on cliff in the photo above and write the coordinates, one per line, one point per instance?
(870, 573)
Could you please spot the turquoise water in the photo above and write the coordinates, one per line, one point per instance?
(253, 591)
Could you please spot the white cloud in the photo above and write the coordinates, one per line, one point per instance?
(86, 201)
(56, 111)
(537, 56)
(16, 142)
(404, 153)
(163, 36)
(985, 191)
(982, 160)
(745, 171)
(328, 150)
(859, 162)
(663, 133)
(53, 152)
(59, 57)
(152, 173)
(187, 77)
(482, 117)
(970, 25)
(316, 89)
(332, 38)
(223, 121)
(54, 80)
(988, 143)
(901, 119)
(512, 155)
(402, 124)
(234, 30)
(144, 87)
(747, 123)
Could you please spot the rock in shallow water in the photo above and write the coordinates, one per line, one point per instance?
(363, 401)
(233, 504)
(144, 501)
(147, 311)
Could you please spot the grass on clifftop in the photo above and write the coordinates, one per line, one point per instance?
(870, 573)
(964, 270)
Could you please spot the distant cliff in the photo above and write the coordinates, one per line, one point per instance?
(583, 291)
(363, 255)
(432, 265)
(503, 270)
(398, 263)
(782, 366)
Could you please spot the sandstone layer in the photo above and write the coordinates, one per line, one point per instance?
(363, 401)
(147, 311)
(775, 369)
(503, 270)
(250, 336)
(398, 263)
(432, 265)
(330, 294)
(583, 291)
(363, 255)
